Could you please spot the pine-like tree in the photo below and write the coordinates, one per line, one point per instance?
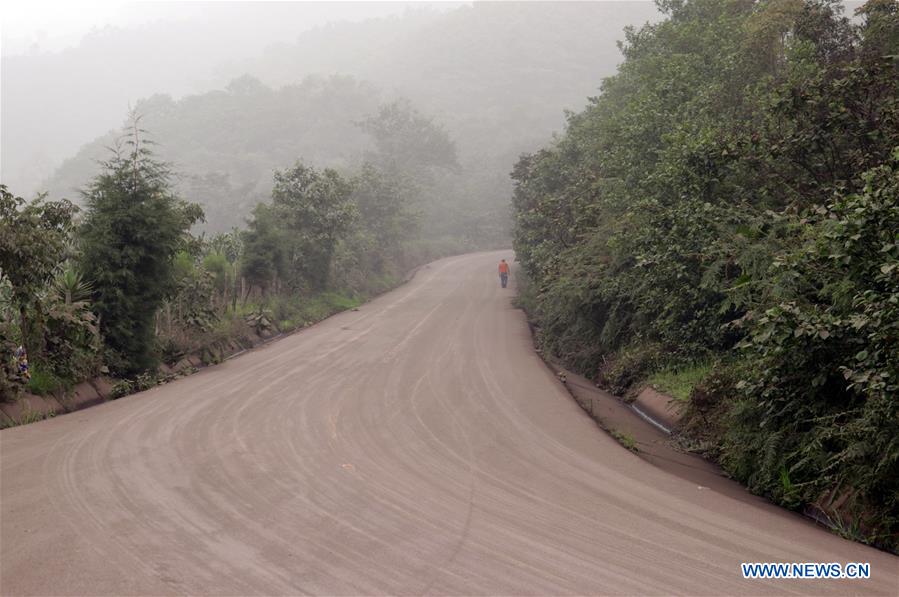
(134, 225)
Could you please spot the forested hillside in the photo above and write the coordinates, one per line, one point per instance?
(317, 176)
(727, 210)
(499, 76)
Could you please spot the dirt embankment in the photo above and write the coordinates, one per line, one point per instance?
(28, 408)
(644, 427)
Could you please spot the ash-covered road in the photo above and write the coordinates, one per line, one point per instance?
(416, 446)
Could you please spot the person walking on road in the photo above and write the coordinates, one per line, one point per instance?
(503, 273)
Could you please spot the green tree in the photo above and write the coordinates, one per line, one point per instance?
(407, 141)
(316, 210)
(418, 151)
(263, 249)
(33, 242)
(734, 185)
(133, 227)
(386, 214)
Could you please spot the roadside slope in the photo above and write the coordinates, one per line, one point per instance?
(416, 446)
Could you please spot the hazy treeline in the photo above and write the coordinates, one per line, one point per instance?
(56, 97)
(225, 143)
(497, 74)
(728, 209)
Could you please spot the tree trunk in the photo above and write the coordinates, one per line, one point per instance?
(24, 327)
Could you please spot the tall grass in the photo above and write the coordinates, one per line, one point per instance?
(678, 382)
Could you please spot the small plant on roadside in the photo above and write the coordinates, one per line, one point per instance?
(261, 320)
(121, 388)
(628, 366)
(678, 382)
(45, 382)
(625, 439)
(33, 416)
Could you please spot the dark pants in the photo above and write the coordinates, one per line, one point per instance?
(504, 279)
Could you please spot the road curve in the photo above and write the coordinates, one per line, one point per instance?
(417, 446)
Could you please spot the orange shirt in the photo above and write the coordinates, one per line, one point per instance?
(503, 267)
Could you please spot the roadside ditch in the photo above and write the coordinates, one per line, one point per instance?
(647, 426)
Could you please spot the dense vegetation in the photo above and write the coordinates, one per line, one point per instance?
(729, 204)
(122, 285)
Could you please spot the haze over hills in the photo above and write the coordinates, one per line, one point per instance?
(479, 67)
(58, 94)
(498, 76)
(223, 145)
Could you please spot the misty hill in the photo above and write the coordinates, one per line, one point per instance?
(497, 75)
(55, 101)
(225, 144)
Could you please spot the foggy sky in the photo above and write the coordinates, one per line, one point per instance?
(55, 97)
(71, 69)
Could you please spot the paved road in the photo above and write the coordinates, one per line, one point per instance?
(415, 446)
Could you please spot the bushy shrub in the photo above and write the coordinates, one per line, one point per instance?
(44, 382)
(629, 366)
(819, 404)
(72, 343)
(11, 382)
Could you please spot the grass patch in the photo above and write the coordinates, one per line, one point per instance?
(625, 439)
(321, 306)
(45, 383)
(33, 416)
(342, 302)
(379, 284)
(678, 382)
(526, 299)
(291, 312)
(144, 381)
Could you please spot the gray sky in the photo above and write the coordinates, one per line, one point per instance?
(36, 26)
(70, 70)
